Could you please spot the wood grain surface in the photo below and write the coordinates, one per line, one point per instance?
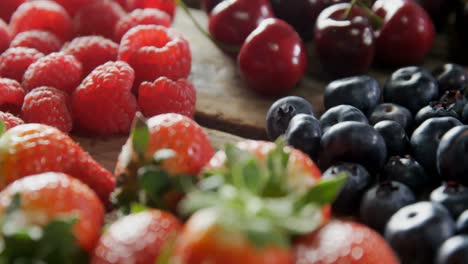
(224, 103)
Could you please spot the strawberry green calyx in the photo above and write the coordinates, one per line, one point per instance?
(24, 242)
(2, 128)
(254, 200)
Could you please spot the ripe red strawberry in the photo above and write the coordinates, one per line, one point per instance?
(42, 15)
(147, 16)
(151, 230)
(9, 120)
(99, 17)
(15, 61)
(103, 103)
(11, 96)
(4, 36)
(35, 148)
(167, 96)
(92, 51)
(48, 106)
(155, 51)
(43, 41)
(47, 203)
(344, 242)
(57, 69)
(72, 6)
(8, 7)
(167, 6)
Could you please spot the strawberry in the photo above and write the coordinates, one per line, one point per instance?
(344, 242)
(49, 218)
(160, 152)
(150, 231)
(251, 200)
(34, 148)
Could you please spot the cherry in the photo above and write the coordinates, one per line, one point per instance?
(231, 21)
(407, 33)
(344, 40)
(273, 58)
(301, 14)
(208, 5)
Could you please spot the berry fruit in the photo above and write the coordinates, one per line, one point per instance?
(8, 7)
(451, 77)
(453, 250)
(11, 96)
(394, 112)
(147, 16)
(411, 87)
(15, 61)
(208, 5)
(342, 36)
(341, 113)
(452, 158)
(416, 231)
(434, 109)
(359, 180)
(395, 137)
(273, 58)
(352, 141)
(42, 41)
(282, 111)
(383, 200)
(168, 6)
(362, 92)
(304, 133)
(453, 196)
(462, 223)
(407, 171)
(9, 120)
(4, 36)
(167, 96)
(455, 100)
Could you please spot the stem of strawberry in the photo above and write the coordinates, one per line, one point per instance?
(223, 46)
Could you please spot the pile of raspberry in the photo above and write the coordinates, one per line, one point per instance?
(87, 66)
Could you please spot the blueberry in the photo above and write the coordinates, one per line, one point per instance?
(352, 141)
(462, 223)
(282, 111)
(359, 180)
(434, 109)
(395, 137)
(411, 87)
(397, 113)
(362, 92)
(455, 100)
(425, 140)
(340, 114)
(405, 170)
(452, 155)
(451, 77)
(453, 251)
(416, 231)
(304, 133)
(453, 196)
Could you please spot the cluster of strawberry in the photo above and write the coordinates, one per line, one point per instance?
(89, 66)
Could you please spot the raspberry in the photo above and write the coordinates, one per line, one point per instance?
(72, 6)
(15, 61)
(98, 18)
(10, 120)
(4, 36)
(148, 16)
(57, 69)
(8, 7)
(103, 104)
(92, 51)
(11, 96)
(42, 15)
(155, 51)
(42, 41)
(167, 6)
(49, 106)
(167, 96)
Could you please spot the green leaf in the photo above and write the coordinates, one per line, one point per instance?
(137, 208)
(252, 176)
(2, 127)
(140, 135)
(198, 200)
(277, 163)
(15, 204)
(324, 192)
(153, 180)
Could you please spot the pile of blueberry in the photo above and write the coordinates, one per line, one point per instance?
(407, 155)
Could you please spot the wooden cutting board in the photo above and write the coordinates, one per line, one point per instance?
(224, 103)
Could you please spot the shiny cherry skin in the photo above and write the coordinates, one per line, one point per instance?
(273, 58)
(231, 21)
(301, 14)
(439, 10)
(406, 35)
(345, 46)
(208, 5)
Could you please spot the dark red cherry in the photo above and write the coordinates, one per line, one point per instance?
(344, 43)
(273, 58)
(208, 5)
(407, 33)
(231, 21)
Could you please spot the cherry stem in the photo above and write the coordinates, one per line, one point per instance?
(222, 46)
(350, 8)
(375, 19)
